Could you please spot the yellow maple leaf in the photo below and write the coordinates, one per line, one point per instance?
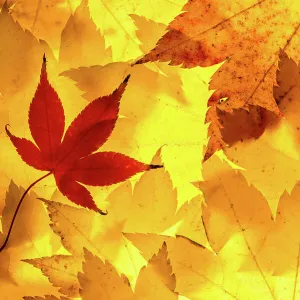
(87, 78)
(80, 228)
(241, 229)
(226, 233)
(276, 152)
(152, 105)
(152, 207)
(113, 18)
(209, 32)
(235, 25)
(255, 255)
(20, 67)
(27, 240)
(82, 44)
(144, 27)
(61, 271)
(45, 19)
(154, 281)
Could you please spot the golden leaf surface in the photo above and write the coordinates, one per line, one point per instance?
(155, 210)
(250, 33)
(45, 19)
(247, 36)
(61, 271)
(80, 228)
(154, 281)
(152, 105)
(251, 245)
(82, 44)
(276, 152)
(27, 241)
(254, 255)
(222, 229)
(113, 17)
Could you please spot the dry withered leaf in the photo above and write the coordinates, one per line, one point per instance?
(250, 33)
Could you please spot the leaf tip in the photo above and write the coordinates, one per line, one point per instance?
(7, 131)
(43, 200)
(126, 79)
(155, 167)
(101, 212)
(5, 7)
(138, 62)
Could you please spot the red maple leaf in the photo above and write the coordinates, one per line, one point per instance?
(70, 158)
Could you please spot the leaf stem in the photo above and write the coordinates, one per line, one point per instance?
(18, 207)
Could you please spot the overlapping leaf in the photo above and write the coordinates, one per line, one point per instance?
(158, 96)
(61, 271)
(27, 241)
(250, 34)
(153, 211)
(80, 228)
(153, 208)
(256, 250)
(276, 152)
(44, 19)
(254, 254)
(155, 281)
(82, 44)
(153, 105)
(87, 78)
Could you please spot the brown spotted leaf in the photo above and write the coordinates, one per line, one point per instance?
(247, 34)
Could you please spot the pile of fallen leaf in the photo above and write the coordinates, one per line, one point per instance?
(180, 119)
